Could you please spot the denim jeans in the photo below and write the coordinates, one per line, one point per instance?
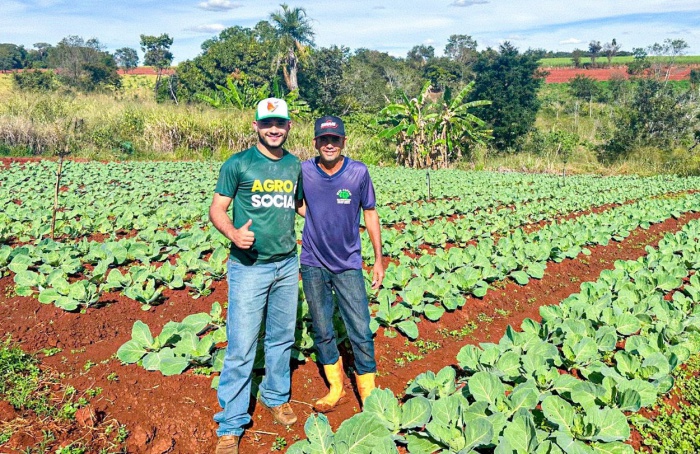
(349, 286)
(270, 290)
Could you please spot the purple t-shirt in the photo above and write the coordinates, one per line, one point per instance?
(331, 236)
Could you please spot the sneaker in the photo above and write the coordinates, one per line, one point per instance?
(228, 444)
(282, 414)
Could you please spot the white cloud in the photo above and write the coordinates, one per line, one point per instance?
(218, 5)
(13, 7)
(462, 3)
(547, 24)
(571, 41)
(48, 3)
(207, 28)
(394, 26)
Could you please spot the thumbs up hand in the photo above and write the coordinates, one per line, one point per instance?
(243, 237)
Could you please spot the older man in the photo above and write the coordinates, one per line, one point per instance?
(336, 189)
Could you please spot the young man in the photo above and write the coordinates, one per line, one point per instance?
(264, 184)
(336, 188)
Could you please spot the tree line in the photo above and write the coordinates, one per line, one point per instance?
(435, 107)
(278, 57)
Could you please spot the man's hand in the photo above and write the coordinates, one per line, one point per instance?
(243, 238)
(377, 274)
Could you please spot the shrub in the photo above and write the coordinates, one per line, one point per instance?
(36, 80)
(584, 87)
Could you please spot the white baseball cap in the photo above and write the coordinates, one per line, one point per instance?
(272, 108)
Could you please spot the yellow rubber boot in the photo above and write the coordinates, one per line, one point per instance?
(365, 385)
(334, 375)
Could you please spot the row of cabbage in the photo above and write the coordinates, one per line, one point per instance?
(528, 203)
(433, 284)
(428, 285)
(106, 198)
(195, 343)
(146, 244)
(566, 384)
(76, 275)
(481, 224)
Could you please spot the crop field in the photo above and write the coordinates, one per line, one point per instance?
(616, 61)
(519, 313)
(138, 82)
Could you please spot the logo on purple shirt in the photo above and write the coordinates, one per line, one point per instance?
(344, 196)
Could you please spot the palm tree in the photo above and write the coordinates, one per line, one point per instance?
(295, 34)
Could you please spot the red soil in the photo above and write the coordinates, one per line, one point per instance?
(145, 71)
(556, 75)
(561, 75)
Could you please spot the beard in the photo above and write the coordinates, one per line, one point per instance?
(266, 142)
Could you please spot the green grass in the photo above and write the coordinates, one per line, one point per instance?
(6, 83)
(41, 401)
(21, 380)
(675, 430)
(130, 125)
(124, 125)
(562, 62)
(138, 84)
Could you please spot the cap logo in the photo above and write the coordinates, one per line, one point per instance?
(271, 107)
(329, 124)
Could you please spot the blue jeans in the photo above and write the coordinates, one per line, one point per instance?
(349, 286)
(270, 290)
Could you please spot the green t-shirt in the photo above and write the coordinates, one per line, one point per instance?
(264, 190)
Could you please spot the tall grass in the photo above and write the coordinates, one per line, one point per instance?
(121, 127)
(592, 124)
(129, 125)
(5, 83)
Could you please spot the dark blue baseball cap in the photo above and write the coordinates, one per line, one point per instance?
(329, 126)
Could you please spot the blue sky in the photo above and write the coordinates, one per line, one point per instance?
(393, 27)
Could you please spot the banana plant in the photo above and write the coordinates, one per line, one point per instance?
(408, 123)
(238, 93)
(431, 134)
(456, 127)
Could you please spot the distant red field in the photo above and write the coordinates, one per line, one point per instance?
(561, 75)
(556, 75)
(145, 71)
